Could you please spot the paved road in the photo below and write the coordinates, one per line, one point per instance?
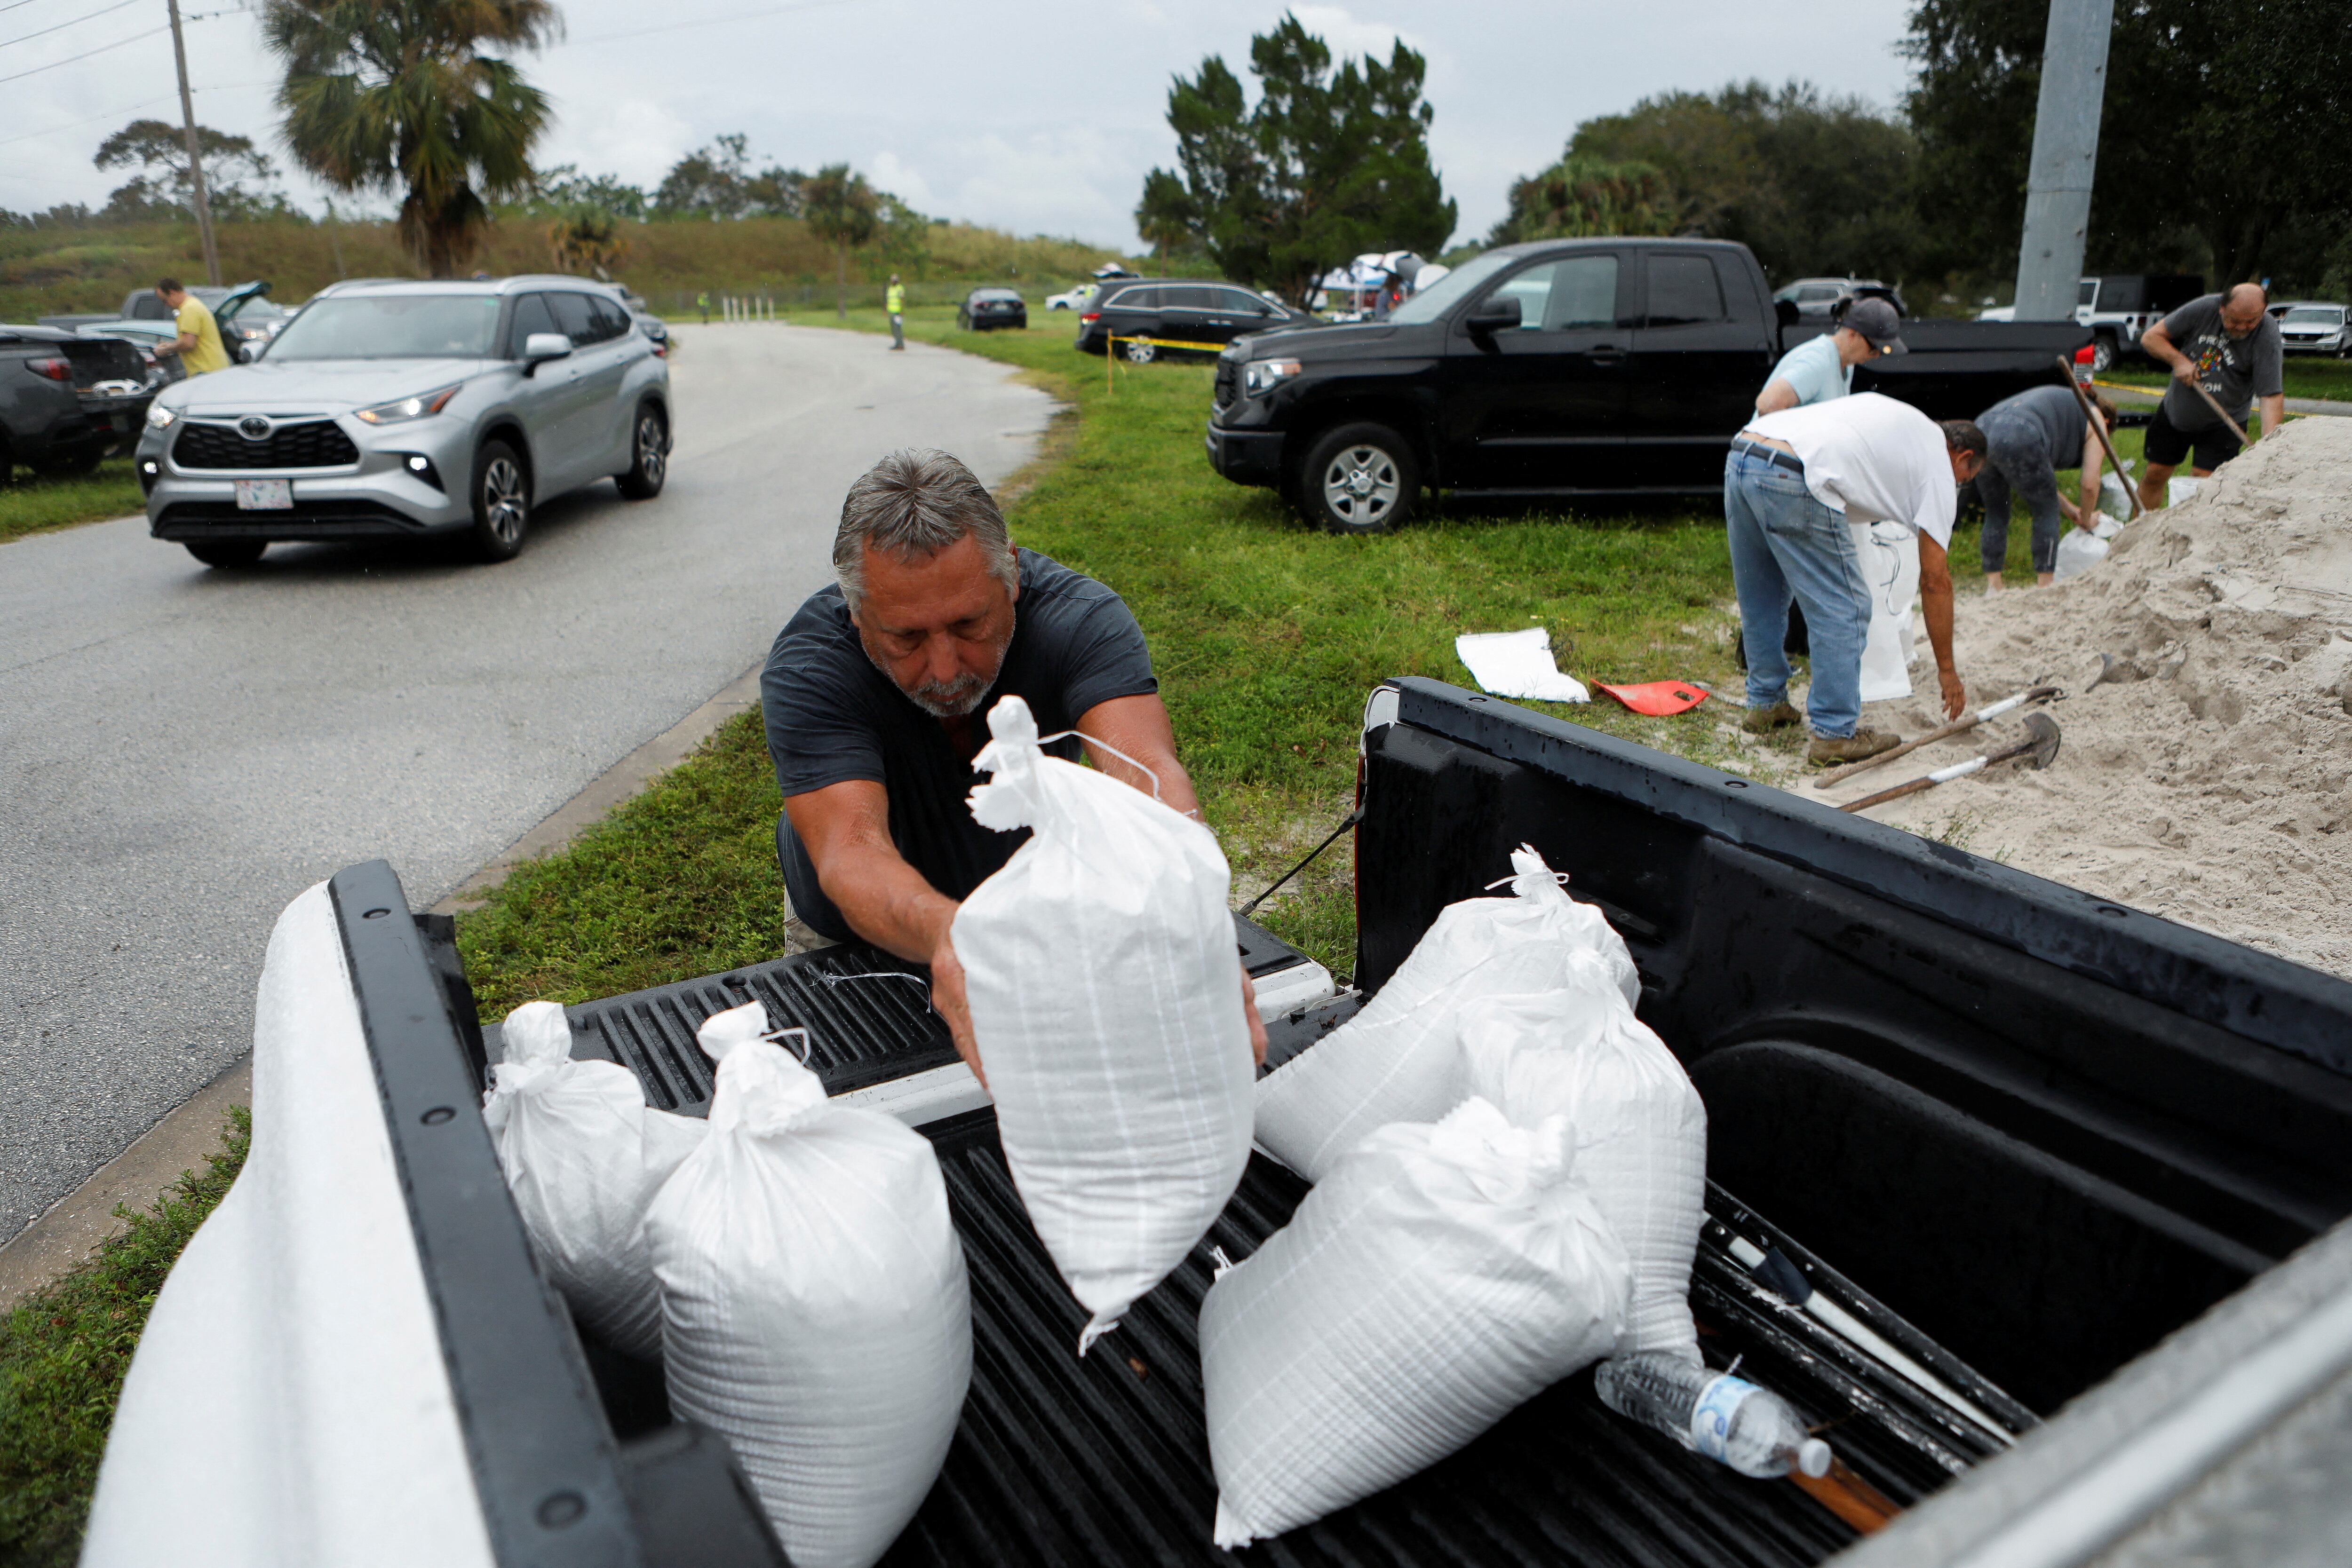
(182, 751)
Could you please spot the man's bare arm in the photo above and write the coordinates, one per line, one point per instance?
(1936, 603)
(1139, 726)
(1777, 395)
(2273, 412)
(2158, 344)
(2094, 457)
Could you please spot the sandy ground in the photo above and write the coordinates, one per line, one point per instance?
(2208, 778)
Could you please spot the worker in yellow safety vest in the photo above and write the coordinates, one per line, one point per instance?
(894, 299)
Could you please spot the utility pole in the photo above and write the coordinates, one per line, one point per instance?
(195, 158)
(2065, 156)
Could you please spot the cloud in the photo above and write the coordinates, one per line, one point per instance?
(894, 174)
(637, 139)
(1349, 36)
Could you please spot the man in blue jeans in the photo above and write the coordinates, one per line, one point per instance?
(1792, 482)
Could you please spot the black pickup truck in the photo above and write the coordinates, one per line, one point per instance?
(2019, 1133)
(1561, 367)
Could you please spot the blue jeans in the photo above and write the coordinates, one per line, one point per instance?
(1785, 545)
(2020, 460)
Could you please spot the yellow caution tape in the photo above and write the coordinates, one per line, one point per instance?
(1169, 343)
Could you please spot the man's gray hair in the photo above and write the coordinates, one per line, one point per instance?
(912, 505)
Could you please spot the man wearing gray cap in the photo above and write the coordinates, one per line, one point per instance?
(1821, 368)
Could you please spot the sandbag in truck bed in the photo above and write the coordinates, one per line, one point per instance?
(1105, 996)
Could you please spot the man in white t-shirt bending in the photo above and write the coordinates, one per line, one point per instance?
(1792, 483)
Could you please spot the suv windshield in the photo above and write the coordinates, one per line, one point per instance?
(1456, 286)
(391, 326)
(2315, 315)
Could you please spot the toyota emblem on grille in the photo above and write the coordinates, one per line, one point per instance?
(253, 427)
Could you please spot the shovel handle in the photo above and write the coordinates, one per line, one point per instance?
(2099, 428)
(1839, 775)
(2222, 414)
(1926, 781)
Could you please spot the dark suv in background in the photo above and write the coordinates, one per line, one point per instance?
(66, 400)
(1149, 313)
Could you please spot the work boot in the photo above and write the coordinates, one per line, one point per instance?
(1760, 720)
(1828, 748)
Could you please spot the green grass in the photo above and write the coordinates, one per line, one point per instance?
(2306, 375)
(35, 503)
(1267, 636)
(63, 1352)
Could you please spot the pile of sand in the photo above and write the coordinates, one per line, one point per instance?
(2208, 778)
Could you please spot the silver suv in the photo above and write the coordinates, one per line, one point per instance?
(396, 410)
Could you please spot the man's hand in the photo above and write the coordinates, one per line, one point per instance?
(2184, 368)
(1256, 1024)
(948, 1000)
(1956, 692)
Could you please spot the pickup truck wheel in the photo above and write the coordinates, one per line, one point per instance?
(2103, 353)
(1139, 353)
(228, 554)
(1360, 480)
(650, 447)
(501, 498)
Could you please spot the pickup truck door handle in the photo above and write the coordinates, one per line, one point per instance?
(1605, 354)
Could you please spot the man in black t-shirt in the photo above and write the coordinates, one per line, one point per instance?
(875, 695)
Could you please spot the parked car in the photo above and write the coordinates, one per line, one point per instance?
(985, 309)
(399, 409)
(1149, 314)
(66, 400)
(1558, 367)
(1074, 298)
(1830, 295)
(2314, 327)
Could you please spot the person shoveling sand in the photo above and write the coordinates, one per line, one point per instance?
(2207, 776)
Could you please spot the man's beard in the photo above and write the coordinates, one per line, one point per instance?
(957, 698)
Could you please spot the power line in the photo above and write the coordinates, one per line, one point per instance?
(129, 108)
(86, 54)
(61, 27)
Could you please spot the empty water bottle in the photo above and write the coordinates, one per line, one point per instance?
(1725, 1417)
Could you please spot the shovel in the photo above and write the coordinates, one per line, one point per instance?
(1957, 726)
(2040, 748)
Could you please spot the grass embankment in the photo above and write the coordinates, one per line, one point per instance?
(34, 503)
(1267, 636)
(2304, 375)
(63, 1352)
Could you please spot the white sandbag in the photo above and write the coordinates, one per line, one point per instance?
(1106, 994)
(1438, 1278)
(1397, 1060)
(815, 1309)
(2078, 552)
(1640, 1130)
(583, 1156)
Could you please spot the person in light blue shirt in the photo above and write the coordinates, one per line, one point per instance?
(1819, 368)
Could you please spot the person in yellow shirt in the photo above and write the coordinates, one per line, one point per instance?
(894, 299)
(199, 343)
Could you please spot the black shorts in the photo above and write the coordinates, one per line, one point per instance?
(2167, 446)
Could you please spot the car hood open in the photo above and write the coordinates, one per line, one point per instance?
(339, 384)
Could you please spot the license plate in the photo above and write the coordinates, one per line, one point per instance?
(265, 494)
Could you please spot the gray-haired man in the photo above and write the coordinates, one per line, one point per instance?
(874, 696)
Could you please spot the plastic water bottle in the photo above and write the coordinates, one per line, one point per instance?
(1725, 1417)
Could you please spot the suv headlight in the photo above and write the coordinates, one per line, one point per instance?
(161, 418)
(1260, 377)
(401, 410)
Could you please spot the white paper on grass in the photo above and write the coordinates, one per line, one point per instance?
(1887, 555)
(1105, 995)
(1517, 664)
(1438, 1278)
(583, 1156)
(1397, 1060)
(1639, 1126)
(289, 1403)
(814, 1307)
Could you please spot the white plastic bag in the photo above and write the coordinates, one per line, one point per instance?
(583, 1156)
(2078, 552)
(1105, 993)
(1517, 664)
(814, 1306)
(1640, 1130)
(1397, 1060)
(1437, 1278)
(2115, 500)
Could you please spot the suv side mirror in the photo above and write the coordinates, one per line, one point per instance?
(1495, 313)
(542, 347)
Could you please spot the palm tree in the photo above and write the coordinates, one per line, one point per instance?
(397, 95)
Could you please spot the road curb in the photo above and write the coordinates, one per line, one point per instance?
(72, 1229)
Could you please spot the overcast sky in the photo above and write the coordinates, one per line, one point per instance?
(1038, 118)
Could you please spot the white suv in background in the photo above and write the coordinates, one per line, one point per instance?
(391, 408)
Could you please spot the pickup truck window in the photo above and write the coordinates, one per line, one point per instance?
(1468, 280)
(1575, 291)
(2088, 294)
(1683, 290)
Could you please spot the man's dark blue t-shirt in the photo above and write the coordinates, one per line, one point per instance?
(831, 717)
